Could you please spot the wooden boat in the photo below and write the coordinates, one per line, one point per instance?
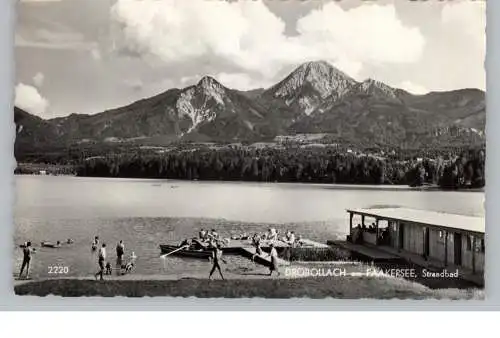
(165, 249)
(50, 245)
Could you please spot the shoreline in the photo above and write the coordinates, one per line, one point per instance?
(333, 186)
(337, 279)
(348, 287)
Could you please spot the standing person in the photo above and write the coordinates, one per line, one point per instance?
(202, 235)
(95, 243)
(120, 251)
(274, 260)
(256, 243)
(214, 235)
(216, 256)
(27, 251)
(273, 235)
(101, 259)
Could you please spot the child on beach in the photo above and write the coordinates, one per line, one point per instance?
(95, 243)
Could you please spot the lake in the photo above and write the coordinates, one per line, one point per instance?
(145, 213)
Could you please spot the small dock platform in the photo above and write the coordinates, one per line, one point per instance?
(236, 244)
(263, 259)
(285, 250)
(366, 252)
(308, 243)
(303, 250)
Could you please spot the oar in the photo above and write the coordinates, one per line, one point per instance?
(171, 252)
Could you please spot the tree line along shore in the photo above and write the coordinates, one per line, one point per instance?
(456, 168)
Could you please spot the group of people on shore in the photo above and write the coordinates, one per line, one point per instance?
(272, 235)
(357, 235)
(211, 240)
(206, 240)
(105, 266)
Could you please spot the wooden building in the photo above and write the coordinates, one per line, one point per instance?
(448, 240)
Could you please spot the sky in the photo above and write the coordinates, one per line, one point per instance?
(87, 56)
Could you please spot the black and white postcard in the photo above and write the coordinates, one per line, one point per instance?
(239, 149)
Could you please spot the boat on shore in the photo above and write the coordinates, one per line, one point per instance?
(186, 252)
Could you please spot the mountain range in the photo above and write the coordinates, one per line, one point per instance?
(316, 98)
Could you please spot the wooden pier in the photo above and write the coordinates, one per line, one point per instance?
(302, 250)
(366, 252)
(246, 249)
(263, 259)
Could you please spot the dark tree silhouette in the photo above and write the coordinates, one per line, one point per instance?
(450, 168)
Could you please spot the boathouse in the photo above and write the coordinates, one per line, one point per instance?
(443, 239)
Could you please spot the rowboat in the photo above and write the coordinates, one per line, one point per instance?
(165, 249)
(50, 245)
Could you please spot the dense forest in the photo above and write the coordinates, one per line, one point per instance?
(447, 169)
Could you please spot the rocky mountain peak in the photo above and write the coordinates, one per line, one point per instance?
(201, 102)
(310, 84)
(320, 76)
(208, 81)
(371, 86)
(315, 98)
(210, 87)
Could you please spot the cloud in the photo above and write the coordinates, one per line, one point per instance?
(39, 1)
(464, 26)
(469, 15)
(368, 33)
(96, 54)
(51, 35)
(247, 38)
(29, 99)
(241, 81)
(468, 18)
(135, 84)
(38, 79)
(43, 42)
(413, 88)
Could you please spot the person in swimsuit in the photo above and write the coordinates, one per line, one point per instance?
(256, 244)
(101, 259)
(120, 251)
(216, 257)
(27, 251)
(274, 260)
(202, 235)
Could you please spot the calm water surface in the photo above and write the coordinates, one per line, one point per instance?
(145, 213)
